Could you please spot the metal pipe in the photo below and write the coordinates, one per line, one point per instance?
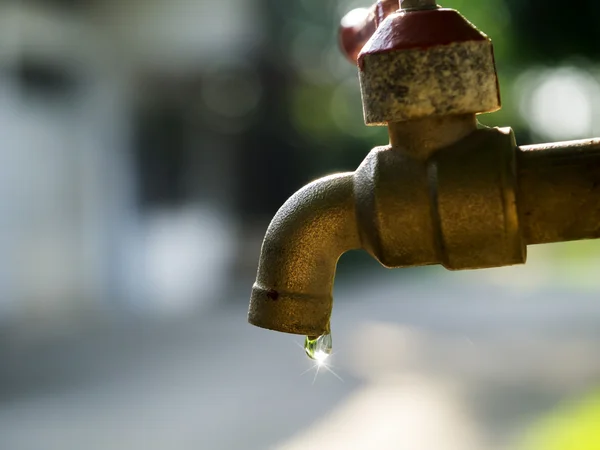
(307, 236)
(559, 191)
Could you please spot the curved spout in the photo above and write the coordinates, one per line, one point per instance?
(293, 288)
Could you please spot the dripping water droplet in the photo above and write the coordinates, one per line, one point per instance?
(318, 348)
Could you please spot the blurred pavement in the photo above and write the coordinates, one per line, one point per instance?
(450, 361)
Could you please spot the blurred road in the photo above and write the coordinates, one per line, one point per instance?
(453, 361)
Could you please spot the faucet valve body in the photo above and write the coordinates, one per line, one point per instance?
(455, 206)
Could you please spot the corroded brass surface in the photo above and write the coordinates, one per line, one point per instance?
(293, 288)
(459, 78)
(426, 63)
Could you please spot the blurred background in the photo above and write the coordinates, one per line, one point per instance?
(145, 146)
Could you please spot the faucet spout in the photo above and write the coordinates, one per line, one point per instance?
(307, 236)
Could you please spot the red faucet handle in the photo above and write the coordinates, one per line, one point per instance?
(357, 27)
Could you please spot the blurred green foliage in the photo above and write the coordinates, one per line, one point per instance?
(571, 427)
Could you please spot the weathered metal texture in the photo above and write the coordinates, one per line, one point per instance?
(394, 193)
(559, 191)
(293, 288)
(415, 206)
(427, 63)
(453, 79)
(355, 31)
(475, 201)
(408, 204)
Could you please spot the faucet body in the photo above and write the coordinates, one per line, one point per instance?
(444, 191)
(416, 206)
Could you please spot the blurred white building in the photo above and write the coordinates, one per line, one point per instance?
(73, 234)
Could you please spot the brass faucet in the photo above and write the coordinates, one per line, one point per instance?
(444, 191)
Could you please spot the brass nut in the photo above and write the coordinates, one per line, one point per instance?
(393, 209)
(475, 201)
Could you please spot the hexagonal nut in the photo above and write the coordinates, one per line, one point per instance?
(402, 82)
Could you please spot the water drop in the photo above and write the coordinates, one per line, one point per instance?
(318, 348)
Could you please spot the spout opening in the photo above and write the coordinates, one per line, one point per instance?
(306, 314)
